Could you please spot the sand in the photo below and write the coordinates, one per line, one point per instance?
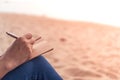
(83, 50)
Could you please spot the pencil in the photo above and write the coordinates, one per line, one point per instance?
(14, 36)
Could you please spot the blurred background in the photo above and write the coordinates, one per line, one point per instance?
(84, 33)
(101, 11)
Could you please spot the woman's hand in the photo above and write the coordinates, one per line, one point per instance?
(19, 52)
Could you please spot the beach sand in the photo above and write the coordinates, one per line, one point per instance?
(83, 50)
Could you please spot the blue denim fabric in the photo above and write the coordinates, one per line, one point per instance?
(35, 69)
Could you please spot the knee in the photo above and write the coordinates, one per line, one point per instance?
(41, 64)
(37, 66)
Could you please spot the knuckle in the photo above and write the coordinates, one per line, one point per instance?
(25, 42)
(32, 41)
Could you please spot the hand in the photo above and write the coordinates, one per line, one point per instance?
(19, 52)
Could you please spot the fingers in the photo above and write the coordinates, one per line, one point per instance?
(28, 38)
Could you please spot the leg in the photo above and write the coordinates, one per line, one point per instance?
(35, 69)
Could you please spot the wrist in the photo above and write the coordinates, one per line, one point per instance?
(8, 63)
(3, 67)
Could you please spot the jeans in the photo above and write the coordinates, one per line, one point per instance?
(35, 69)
